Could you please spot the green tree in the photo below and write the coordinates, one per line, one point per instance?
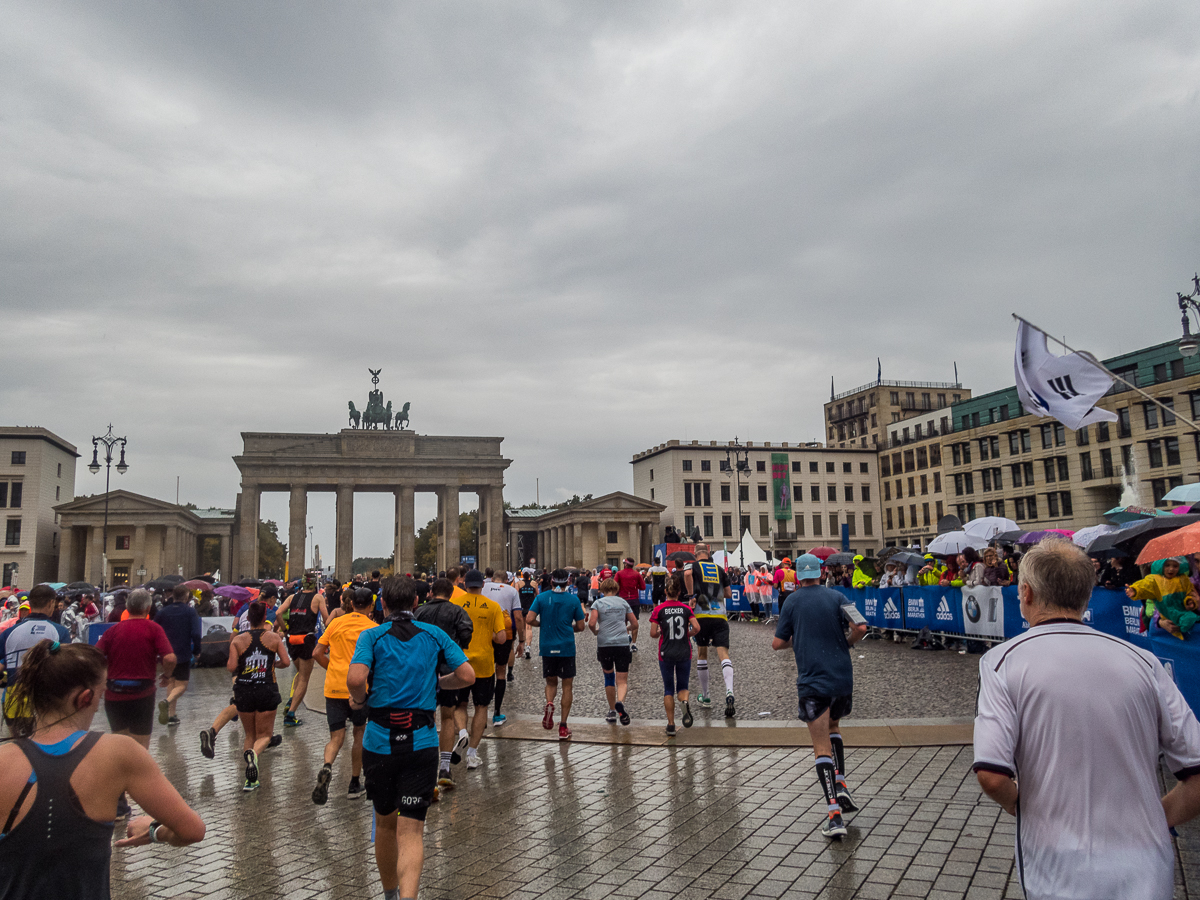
(271, 552)
(364, 565)
(427, 541)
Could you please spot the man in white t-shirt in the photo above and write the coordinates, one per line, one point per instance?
(1069, 727)
(498, 589)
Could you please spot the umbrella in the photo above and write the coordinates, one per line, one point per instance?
(164, 584)
(1185, 493)
(1121, 514)
(907, 558)
(197, 584)
(211, 581)
(85, 586)
(1180, 542)
(682, 556)
(1085, 536)
(1010, 537)
(822, 553)
(953, 542)
(1184, 510)
(232, 592)
(274, 581)
(249, 583)
(987, 527)
(1133, 537)
(839, 559)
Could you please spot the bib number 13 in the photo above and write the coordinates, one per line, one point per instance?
(675, 628)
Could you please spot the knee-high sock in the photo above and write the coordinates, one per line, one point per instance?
(501, 686)
(702, 674)
(839, 757)
(827, 775)
(727, 674)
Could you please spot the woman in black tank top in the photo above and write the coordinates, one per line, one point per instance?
(254, 656)
(303, 610)
(59, 784)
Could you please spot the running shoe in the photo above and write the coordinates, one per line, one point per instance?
(671, 730)
(124, 810)
(527, 656)
(622, 714)
(633, 647)
(251, 759)
(845, 801)
(459, 746)
(437, 795)
(164, 712)
(356, 789)
(834, 827)
(498, 720)
(687, 715)
(445, 780)
(291, 720)
(703, 700)
(207, 737)
(173, 721)
(611, 717)
(276, 740)
(321, 792)
(548, 716)
(730, 712)
(250, 786)
(474, 762)
(564, 733)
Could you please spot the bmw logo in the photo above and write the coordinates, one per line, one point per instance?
(974, 613)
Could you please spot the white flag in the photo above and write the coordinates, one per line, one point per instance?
(1063, 387)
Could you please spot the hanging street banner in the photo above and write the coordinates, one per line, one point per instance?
(781, 486)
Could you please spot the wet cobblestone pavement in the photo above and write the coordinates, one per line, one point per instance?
(556, 821)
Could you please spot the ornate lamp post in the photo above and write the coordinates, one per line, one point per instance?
(1189, 343)
(739, 464)
(109, 441)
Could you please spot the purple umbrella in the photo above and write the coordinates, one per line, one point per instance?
(232, 592)
(1034, 536)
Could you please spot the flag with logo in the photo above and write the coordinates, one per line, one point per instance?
(1063, 387)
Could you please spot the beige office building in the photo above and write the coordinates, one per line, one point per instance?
(37, 471)
(864, 416)
(825, 489)
(912, 482)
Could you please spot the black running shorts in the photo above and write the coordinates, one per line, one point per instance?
(402, 782)
(182, 671)
(618, 657)
(714, 632)
(256, 698)
(812, 708)
(134, 716)
(558, 667)
(304, 649)
(503, 653)
(338, 711)
(481, 693)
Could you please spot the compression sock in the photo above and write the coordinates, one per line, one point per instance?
(827, 775)
(444, 761)
(702, 674)
(839, 757)
(501, 686)
(727, 674)
(393, 894)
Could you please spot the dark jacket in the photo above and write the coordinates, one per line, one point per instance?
(450, 617)
(182, 625)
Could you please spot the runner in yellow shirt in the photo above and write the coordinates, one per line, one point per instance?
(489, 629)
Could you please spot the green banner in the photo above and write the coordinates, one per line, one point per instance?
(781, 486)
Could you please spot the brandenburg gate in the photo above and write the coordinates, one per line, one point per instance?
(371, 458)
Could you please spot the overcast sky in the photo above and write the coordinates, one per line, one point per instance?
(587, 227)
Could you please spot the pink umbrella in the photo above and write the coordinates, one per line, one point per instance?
(1063, 531)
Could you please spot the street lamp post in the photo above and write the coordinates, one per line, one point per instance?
(109, 441)
(739, 464)
(1189, 343)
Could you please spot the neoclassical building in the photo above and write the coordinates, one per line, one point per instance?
(604, 530)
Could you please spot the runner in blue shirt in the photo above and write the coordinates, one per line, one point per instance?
(560, 616)
(400, 661)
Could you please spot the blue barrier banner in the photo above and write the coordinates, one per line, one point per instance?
(932, 606)
(96, 629)
(738, 603)
(891, 606)
(1181, 659)
(919, 605)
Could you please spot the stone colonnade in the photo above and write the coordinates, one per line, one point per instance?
(585, 544)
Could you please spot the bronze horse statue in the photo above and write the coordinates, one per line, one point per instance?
(355, 416)
(402, 416)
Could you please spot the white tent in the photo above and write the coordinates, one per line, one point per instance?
(749, 552)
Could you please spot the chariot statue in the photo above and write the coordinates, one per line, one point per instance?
(377, 413)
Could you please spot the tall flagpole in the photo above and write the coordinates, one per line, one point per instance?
(1103, 368)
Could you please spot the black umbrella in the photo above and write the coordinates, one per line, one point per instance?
(163, 584)
(84, 586)
(908, 558)
(250, 582)
(207, 578)
(840, 559)
(1133, 538)
(1009, 537)
(682, 556)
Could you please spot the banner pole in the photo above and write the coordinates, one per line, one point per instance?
(1097, 364)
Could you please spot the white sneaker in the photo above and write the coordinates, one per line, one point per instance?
(474, 762)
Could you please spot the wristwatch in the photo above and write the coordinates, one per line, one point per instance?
(154, 831)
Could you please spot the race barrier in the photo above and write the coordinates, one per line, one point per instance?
(994, 614)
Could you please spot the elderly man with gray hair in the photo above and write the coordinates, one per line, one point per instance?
(1068, 731)
(134, 648)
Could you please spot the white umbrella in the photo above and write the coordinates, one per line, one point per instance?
(1085, 536)
(953, 542)
(1185, 493)
(987, 527)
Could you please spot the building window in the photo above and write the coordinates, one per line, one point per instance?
(940, 510)
(829, 467)
(651, 474)
(925, 513)
(1065, 499)
(687, 493)
(689, 522)
(798, 493)
(612, 537)
(900, 515)
(797, 466)
(983, 448)
(764, 526)
(1123, 429)
(18, 459)
(1048, 466)
(1156, 457)
(849, 493)
(687, 465)
(922, 458)
(1172, 447)
(727, 526)
(724, 493)
(1127, 459)
(1081, 437)
(885, 465)
(651, 493)
(935, 454)
(895, 395)
(831, 492)
(958, 485)
(865, 493)
(887, 490)
(799, 526)
(3, 494)
(1158, 487)
(1150, 414)
(851, 528)
(815, 493)
(12, 533)
(1047, 437)
(1101, 432)
(1016, 474)
(868, 527)
(744, 492)
(887, 518)
(1052, 505)
(1014, 444)
(57, 489)
(1085, 466)
(816, 524)
(1064, 471)
(708, 526)
(937, 482)
(1031, 506)
(812, 467)
(1019, 509)
(833, 525)
(911, 486)
(760, 465)
(745, 520)
(706, 465)
(847, 468)
(1106, 464)
(864, 468)
(986, 478)
(762, 493)
(1168, 415)
(122, 542)
(15, 494)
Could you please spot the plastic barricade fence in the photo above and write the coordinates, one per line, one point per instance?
(96, 629)
(737, 602)
(937, 608)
